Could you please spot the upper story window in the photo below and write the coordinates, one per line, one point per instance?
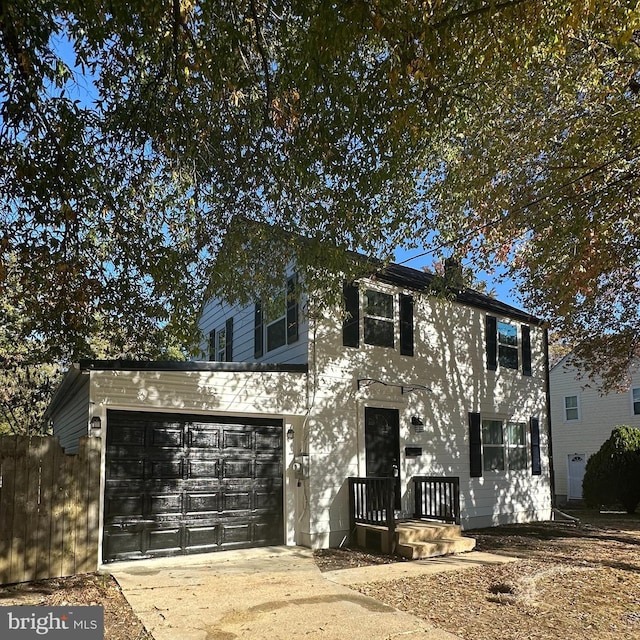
(387, 318)
(635, 399)
(571, 408)
(276, 320)
(379, 327)
(221, 343)
(508, 345)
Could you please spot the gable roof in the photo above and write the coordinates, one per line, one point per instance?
(416, 280)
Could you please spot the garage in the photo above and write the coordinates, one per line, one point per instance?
(178, 484)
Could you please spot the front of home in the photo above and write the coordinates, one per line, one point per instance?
(583, 418)
(255, 443)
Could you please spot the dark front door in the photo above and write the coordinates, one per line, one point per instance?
(382, 443)
(179, 484)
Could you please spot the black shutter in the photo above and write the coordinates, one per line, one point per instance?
(228, 350)
(351, 324)
(257, 332)
(475, 446)
(406, 325)
(534, 427)
(526, 350)
(212, 345)
(492, 343)
(292, 310)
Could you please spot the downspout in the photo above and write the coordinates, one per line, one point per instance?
(549, 432)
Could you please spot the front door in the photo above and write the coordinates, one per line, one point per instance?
(382, 444)
(577, 463)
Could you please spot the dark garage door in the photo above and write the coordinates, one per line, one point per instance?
(178, 484)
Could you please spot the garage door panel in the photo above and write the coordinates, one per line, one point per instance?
(125, 469)
(165, 438)
(203, 503)
(191, 484)
(165, 504)
(203, 436)
(236, 439)
(204, 469)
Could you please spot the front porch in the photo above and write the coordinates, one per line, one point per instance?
(434, 531)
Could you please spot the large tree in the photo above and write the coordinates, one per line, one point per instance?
(131, 134)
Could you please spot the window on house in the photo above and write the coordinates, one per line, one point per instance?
(507, 345)
(571, 408)
(492, 446)
(378, 319)
(516, 446)
(635, 398)
(275, 320)
(221, 345)
(504, 445)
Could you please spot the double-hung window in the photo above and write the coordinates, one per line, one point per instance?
(276, 319)
(571, 408)
(378, 319)
(635, 400)
(508, 345)
(504, 445)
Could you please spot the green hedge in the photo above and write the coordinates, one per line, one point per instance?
(612, 474)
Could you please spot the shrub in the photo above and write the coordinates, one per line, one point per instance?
(612, 475)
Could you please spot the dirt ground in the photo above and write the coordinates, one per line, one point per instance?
(572, 582)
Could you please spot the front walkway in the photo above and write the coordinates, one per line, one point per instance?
(272, 593)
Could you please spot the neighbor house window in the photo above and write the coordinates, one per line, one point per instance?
(221, 345)
(378, 319)
(635, 398)
(571, 408)
(508, 345)
(504, 445)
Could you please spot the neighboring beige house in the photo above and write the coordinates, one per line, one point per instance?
(255, 445)
(582, 420)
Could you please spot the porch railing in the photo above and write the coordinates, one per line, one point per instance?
(372, 501)
(437, 498)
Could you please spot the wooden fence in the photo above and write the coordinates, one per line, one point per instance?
(49, 508)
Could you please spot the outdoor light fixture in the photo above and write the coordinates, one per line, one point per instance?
(290, 433)
(417, 423)
(95, 427)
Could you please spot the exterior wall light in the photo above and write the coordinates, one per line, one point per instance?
(290, 434)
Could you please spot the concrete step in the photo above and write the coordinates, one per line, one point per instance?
(434, 548)
(420, 531)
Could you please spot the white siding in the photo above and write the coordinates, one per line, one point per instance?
(71, 419)
(449, 359)
(214, 317)
(599, 415)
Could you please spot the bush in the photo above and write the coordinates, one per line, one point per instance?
(612, 475)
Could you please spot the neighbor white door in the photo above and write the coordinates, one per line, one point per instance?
(576, 464)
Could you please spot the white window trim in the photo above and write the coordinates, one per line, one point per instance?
(631, 390)
(578, 407)
(505, 446)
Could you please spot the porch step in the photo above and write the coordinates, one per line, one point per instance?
(420, 531)
(434, 548)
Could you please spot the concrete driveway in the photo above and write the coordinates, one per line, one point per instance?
(270, 593)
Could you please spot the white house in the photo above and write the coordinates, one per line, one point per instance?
(582, 419)
(255, 445)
